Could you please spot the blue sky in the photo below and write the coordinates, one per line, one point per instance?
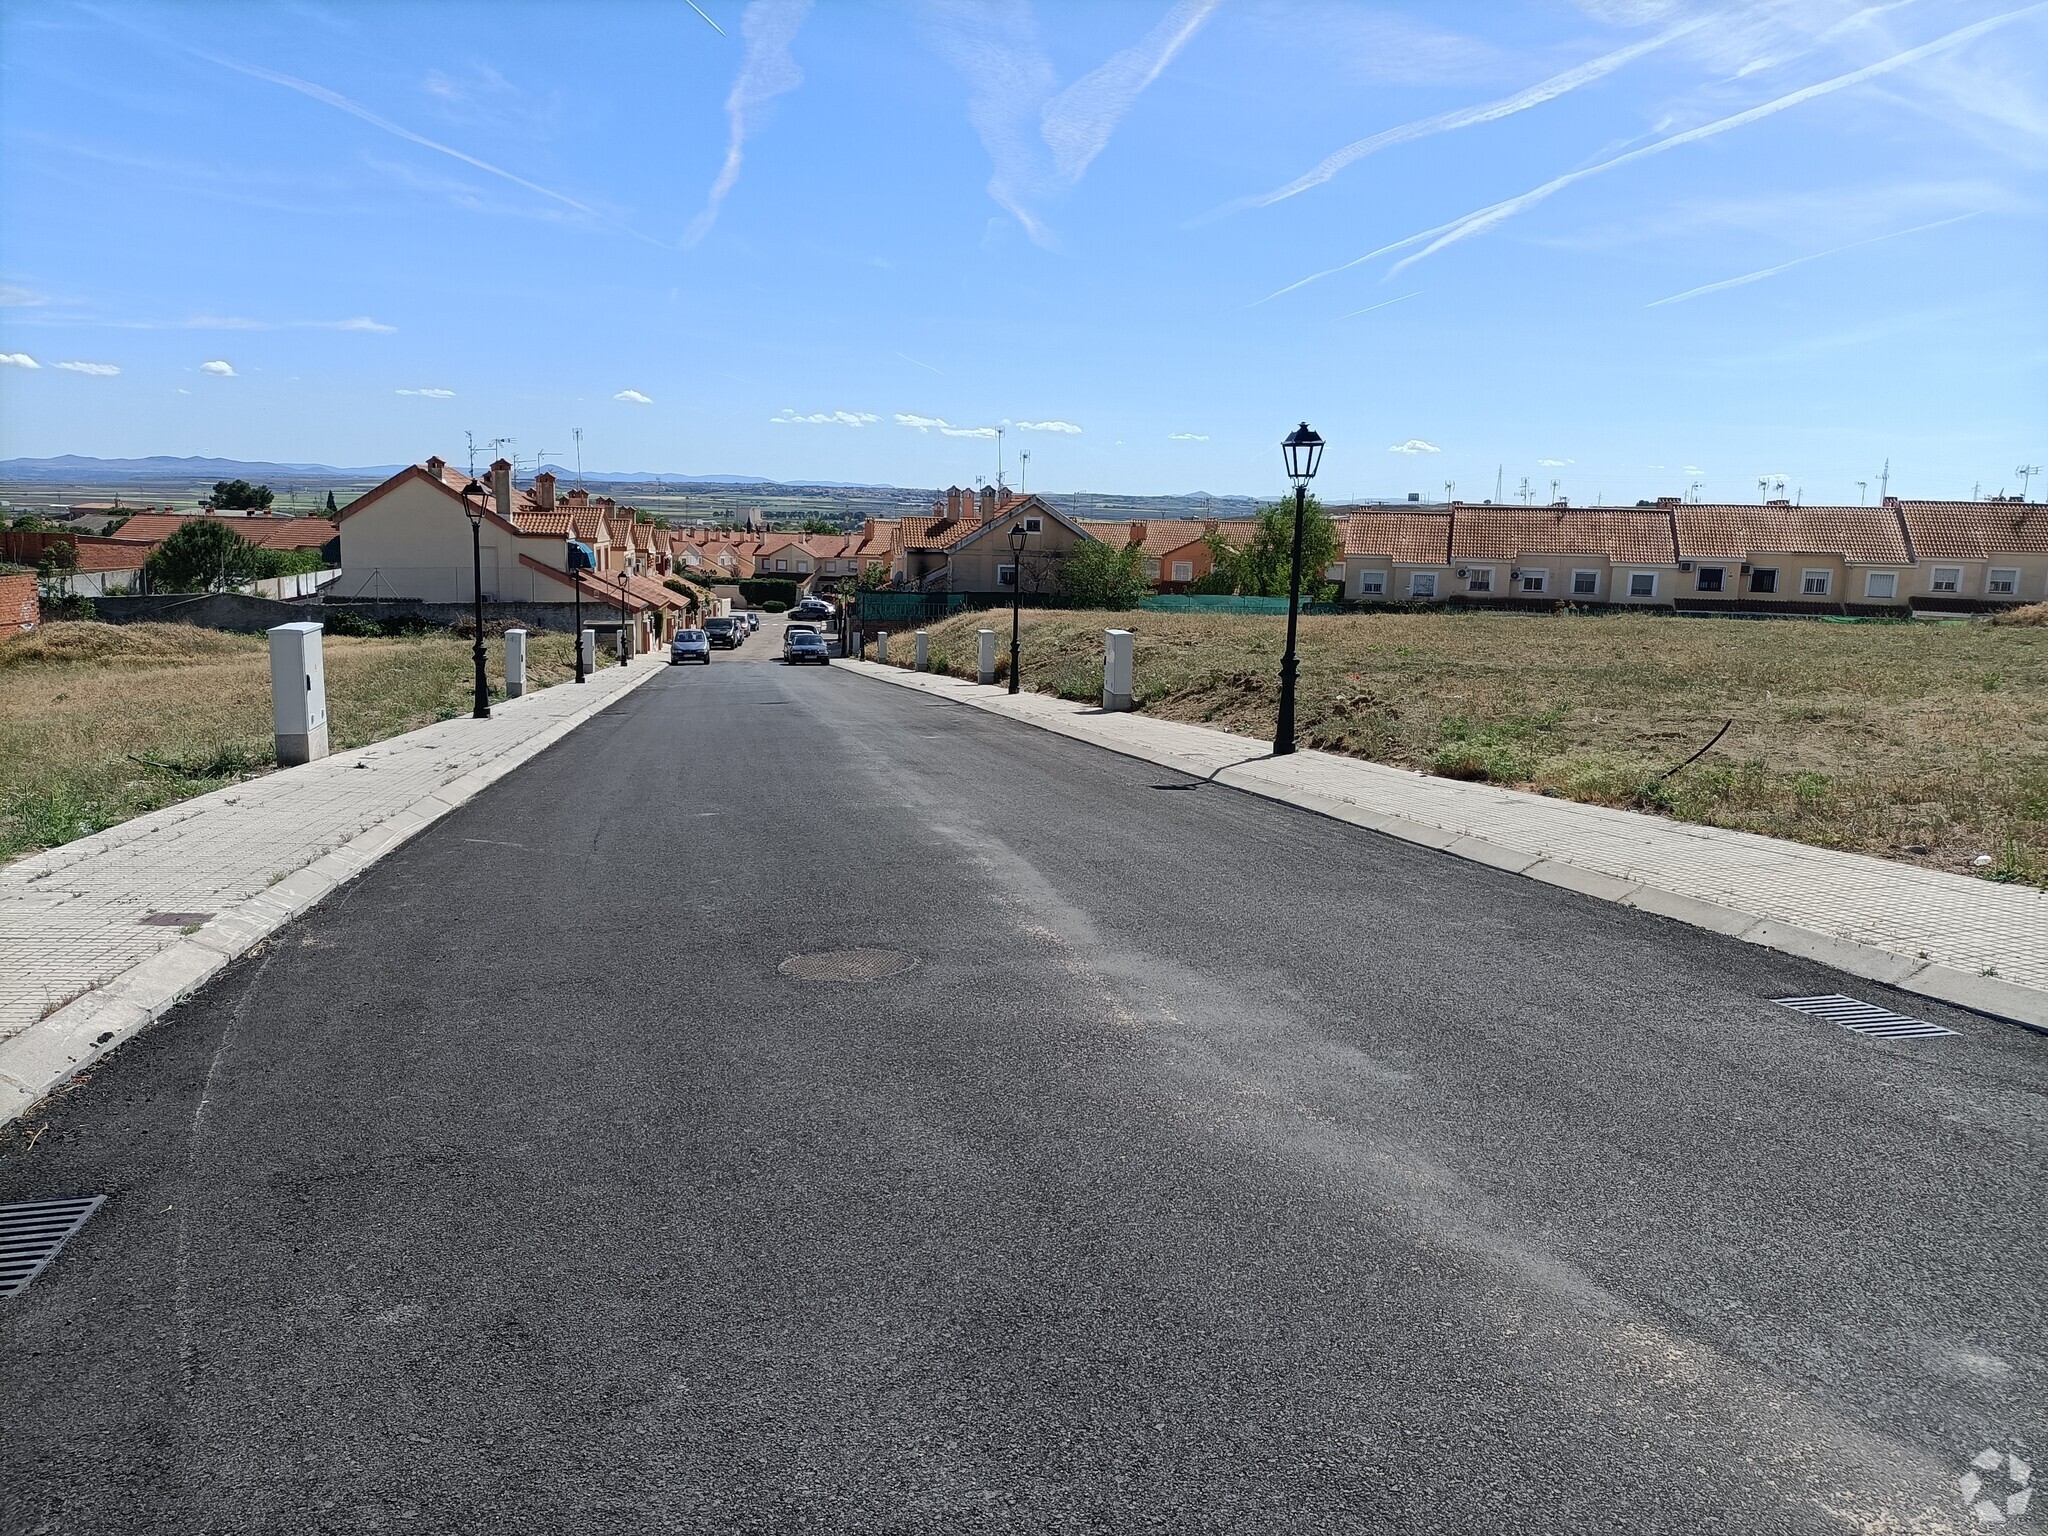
(1625, 245)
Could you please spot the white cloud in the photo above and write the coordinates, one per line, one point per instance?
(766, 72)
(789, 418)
(1556, 463)
(12, 297)
(922, 423)
(632, 397)
(1078, 122)
(1415, 445)
(1690, 469)
(1046, 426)
(430, 394)
(97, 370)
(967, 431)
(1187, 437)
(18, 360)
(223, 370)
(359, 323)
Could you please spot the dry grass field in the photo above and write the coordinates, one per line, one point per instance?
(1926, 742)
(99, 722)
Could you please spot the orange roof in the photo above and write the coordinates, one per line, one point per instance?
(1504, 533)
(553, 523)
(1735, 531)
(1975, 530)
(1409, 538)
(270, 532)
(110, 554)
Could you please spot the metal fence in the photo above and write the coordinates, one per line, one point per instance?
(1190, 603)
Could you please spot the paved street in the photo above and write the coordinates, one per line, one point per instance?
(1216, 1167)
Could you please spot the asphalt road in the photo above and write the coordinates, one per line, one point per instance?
(1217, 1167)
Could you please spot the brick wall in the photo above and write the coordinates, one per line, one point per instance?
(19, 609)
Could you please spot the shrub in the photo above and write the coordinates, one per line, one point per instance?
(2034, 615)
(774, 605)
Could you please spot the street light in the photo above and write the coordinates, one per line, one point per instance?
(579, 562)
(1303, 451)
(473, 504)
(625, 646)
(1016, 593)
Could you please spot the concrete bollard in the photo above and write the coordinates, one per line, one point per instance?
(1116, 669)
(515, 663)
(298, 694)
(921, 651)
(588, 642)
(985, 671)
(882, 647)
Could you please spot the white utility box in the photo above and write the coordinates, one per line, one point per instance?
(985, 669)
(587, 642)
(921, 650)
(1116, 669)
(515, 663)
(298, 694)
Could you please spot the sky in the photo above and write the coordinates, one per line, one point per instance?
(1628, 247)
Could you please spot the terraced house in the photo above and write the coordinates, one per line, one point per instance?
(1728, 557)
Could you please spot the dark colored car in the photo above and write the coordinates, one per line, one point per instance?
(724, 633)
(807, 645)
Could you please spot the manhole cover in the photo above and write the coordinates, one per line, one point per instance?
(848, 965)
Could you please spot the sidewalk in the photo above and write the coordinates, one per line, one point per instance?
(1970, 942)
(100, 936)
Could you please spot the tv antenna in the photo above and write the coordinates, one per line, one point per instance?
(1763, 488)
(999, 463)
(1553, 491)
(1976, 490)
(1496, 484)
(1884, 482)
(1694, 490)
(1450, 491)
(498, 447)
(2026, 472)
(1524, 492)
(1862, 490)
(1023, 470)
(1778, 485)
(470, 438)
(577, 433)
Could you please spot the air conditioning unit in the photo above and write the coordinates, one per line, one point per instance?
(1685, 565)
(1463, 573)
(1515, 574)
(1745, 567)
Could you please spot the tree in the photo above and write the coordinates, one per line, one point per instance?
(1262, 568)
(874, 576)
(201, 553)
(1099, 575)
(28, 522)
(817, 525)
(241, 496)
(331, 508)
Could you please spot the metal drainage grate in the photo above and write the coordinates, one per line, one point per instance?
(31, 1234)
(1864, 1018)
(176, 919)
(848, 965)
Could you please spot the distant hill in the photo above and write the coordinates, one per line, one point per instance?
(74, 467)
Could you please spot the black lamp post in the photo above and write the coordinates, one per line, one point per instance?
(576, 577)
(625, 645)
(473, 504)
(1016, 594)
(1303, 450)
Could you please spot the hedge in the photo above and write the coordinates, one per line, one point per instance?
(762, 590)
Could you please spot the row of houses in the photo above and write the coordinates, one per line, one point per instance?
(1769, 557)
(103, 565)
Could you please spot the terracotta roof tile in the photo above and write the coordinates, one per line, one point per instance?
(1408, 538)
(1506, 533)
(1735, 531)
(1975, 530)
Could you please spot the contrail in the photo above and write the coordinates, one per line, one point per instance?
(1485, 218)
(1383, 304)
(909, 359)
(693, 5)
(1800, 261)
(1464, 117)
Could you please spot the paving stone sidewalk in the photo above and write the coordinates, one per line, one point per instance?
(1973, 942)
(99, 936)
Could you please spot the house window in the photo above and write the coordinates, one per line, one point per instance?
(1372, 583)
(1881, 584)
(1151, 570)
(2002, 583)
(1642, 583)
(1709, 579)
(1764, 579)
(782, 565)
(1006, 575)
(1945, 578)
(1034, 525)
(1184, 570)
(1585, 583)
(803, 567)
(1422, 584)
(1535, 581)
(1813, 583)
(1480, 579)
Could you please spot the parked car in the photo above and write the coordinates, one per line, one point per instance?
(689, 645)
(813, 608)
(723, 633)
(753, 621)
(793, 630)
(806, 645)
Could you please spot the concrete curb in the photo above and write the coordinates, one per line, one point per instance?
(1242, 763)
(47, 1054)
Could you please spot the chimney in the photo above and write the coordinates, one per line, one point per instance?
(988, 504)
(1136, 536)
(953, 503)
(501, 486)
(435, 465)
(1210, 525)
(544, 490)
